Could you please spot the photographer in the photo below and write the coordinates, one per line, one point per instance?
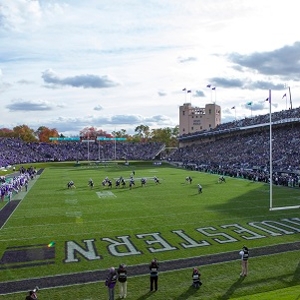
(196, 278)
(32, 294)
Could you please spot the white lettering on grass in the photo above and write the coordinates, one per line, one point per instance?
(115, 247)
(89, 252)
(106, 194)
(157, 239)
(71, 201)
(123, 246)
(257, 226)
(228, 238)
(192, 243)
(293, 221)
(241, 229)
(268, 223)
(261, 225)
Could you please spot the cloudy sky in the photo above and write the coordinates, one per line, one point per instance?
(118, 64)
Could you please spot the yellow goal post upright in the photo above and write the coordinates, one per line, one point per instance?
(271, 167)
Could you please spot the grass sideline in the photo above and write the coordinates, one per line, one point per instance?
(50, 212)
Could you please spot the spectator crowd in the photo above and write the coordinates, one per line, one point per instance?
(243, 153)
(16, 151)
(246, 155)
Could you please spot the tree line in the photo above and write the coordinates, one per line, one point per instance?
(142, 133)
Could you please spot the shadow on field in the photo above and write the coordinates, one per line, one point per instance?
(232, 289)
(296, 278)
(145, 296)
(189, 292)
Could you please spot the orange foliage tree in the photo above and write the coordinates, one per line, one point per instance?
(44, 133)
(91, 133)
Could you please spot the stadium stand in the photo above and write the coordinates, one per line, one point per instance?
(242, 149)
(15, 151)
(238, 149)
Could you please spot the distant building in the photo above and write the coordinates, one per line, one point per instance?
(195, 119)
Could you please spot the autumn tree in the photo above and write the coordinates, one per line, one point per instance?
(25, 133)
(44, 133)
(5, 132)
(91, 133)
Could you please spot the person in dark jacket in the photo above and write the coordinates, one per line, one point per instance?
(153, 267)
(196, 278)
(32, 295)
(122, 279)
(111, 282)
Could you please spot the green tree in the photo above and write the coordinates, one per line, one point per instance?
(143, 131)
(166, 135)
(120, 134)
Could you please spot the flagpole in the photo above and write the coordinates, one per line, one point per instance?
(88, 146)
(115, 145)
(211, 89)
(285, 102)
(189, 92)
(184, 90)
(271, 164)
(215, 94)
(290, 98)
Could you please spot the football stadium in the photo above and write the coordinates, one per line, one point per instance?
(72, 211)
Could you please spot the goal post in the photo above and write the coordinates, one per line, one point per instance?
(285, 207)
(271, 168)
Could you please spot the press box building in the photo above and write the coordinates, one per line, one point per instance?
(195, 119)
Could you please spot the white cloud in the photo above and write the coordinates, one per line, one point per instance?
(98, 107)
(136, 56)
(24, 105)
(19, 15)
(85, 81)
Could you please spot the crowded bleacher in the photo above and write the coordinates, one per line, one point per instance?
(15, 151)
(241, 153)
(242, 149)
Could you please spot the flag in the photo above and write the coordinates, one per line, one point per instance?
(189, 91)
(213, 88)
(269, 100)
(51, 244)
(233, 107)
(209, 85)
(249, 103)
(284, 96)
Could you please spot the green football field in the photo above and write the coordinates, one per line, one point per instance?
(59, 231)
